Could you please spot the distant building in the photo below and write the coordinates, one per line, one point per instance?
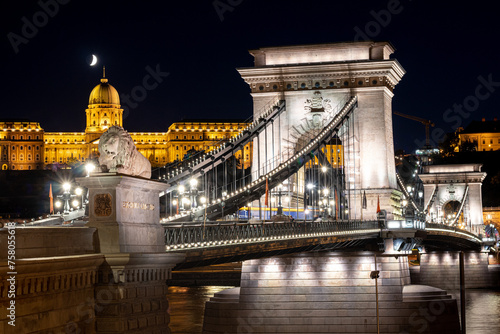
(25, 146)
(484, 135)
(21, 145)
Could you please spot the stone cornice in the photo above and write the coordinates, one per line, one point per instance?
(453, 178)
(106, 180)
(52, 274)
(385, 68)
(135, 267)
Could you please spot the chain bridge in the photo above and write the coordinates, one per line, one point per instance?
(322, 221)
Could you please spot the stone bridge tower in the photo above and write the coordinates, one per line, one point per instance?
(317, 78)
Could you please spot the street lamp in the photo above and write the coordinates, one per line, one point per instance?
(280, 206)
(324, 201)
(89, 167)
(66, 197)
(310, 186)
(180, 190)
(193, 191)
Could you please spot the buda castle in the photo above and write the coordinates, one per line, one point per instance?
(24, 145)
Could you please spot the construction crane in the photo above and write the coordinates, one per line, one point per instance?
(425, 122)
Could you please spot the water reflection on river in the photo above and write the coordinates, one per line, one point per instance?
(482, 311)
(187, 305)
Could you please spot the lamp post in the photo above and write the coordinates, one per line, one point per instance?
(193, 191)
(280, 206)
(79, 192)
(180, 191)
(325, 201)
(66, 197)
(203, 201)
(310, 187)
(404, 203)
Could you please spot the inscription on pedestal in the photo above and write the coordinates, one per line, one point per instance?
(102, 205)
(135, 205)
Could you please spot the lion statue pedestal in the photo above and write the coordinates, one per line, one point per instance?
(118, 154)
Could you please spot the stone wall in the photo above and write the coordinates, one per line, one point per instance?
(441, 269)
(53, 295)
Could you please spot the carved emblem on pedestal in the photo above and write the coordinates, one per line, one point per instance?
(102, 205)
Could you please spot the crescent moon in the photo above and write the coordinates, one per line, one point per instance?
(94, 60)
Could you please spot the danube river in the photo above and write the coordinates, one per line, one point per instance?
(187, 305)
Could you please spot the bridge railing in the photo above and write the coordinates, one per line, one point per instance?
(193, 235)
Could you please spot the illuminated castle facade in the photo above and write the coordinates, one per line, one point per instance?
(25, 146)
(484, 135)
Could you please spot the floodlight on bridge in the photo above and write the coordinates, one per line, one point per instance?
(58, 204)
(181, 189)
(66, 186)
(75, 203)
(79, 191)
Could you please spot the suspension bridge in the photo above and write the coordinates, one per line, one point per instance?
(319, 217)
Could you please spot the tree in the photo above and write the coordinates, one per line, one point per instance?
(468, 146)
(449, 145)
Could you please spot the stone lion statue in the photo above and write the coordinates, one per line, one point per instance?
(119, 154)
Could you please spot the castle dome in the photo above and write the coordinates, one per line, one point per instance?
(104, 93)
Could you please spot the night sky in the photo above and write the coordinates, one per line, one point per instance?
(449, 50)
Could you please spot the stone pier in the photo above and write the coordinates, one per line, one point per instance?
(107, 277)
(441, 269)
(131, 290)
(330, 292)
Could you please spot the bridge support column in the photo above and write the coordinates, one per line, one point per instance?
(130, 295)
(330, 292)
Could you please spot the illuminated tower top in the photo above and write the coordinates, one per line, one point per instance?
(104, 107)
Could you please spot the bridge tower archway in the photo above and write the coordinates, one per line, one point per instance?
(313, 79)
